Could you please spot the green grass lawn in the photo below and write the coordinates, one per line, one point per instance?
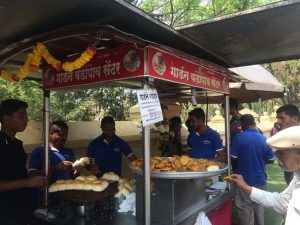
(276, 183)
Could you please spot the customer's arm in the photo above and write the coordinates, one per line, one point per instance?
(35, 181)
(267, 199)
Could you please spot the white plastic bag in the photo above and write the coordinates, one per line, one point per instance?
(202, 219)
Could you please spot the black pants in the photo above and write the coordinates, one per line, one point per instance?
(14, 218)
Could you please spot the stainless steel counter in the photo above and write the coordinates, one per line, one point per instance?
(114, 218)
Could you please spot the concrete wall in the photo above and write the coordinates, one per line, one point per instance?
(81, 133)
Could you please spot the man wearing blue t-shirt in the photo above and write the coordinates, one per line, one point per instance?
(203, 142)
(107, 149)
(61, 158)
(250, 152)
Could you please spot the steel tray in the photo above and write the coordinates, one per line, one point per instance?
(185, 174)
(82, 196)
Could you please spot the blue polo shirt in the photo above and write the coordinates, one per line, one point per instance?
(56, 156)
(251, 152)
(108, 155)
(204, 145)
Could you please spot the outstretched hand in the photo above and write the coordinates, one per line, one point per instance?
(95, 169)
(239, 181)
(36, 182)
(63, 165)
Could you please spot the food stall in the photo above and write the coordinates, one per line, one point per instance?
(138, 64)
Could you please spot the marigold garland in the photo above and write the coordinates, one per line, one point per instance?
(40, 51)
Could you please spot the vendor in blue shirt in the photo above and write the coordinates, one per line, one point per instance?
(107, 149)
(203, 142)
(61, 159)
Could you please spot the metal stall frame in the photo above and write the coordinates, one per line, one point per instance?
(207, 70)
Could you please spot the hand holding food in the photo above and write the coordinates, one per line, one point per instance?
(239, 181)
(63, 165)
(81, 162)
(95, 169)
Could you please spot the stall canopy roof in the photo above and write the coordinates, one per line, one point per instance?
(265, 34)
(261, 84)
(21, 21)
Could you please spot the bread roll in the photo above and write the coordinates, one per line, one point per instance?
(110, 176)
(101, 186)
(53, 187)
(213, 168)
(77, 163)
(125, 192)
(85, 160)
(91, 177)
(128, 186)
(81, 177)
(118, 194)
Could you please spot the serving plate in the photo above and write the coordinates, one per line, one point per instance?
(184, 174)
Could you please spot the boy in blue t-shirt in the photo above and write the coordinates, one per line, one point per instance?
(203, 142)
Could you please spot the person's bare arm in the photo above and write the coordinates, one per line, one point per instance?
(34, 181)
(132, 157)
(221, 156)
(238, 180)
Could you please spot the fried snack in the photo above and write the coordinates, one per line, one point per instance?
(211, 163)
(226, 178)
(177, 164)
(184, 159)
(160, 165)
(202, 161)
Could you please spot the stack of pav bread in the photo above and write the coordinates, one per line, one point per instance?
(91, 183)
(177, 164)
(126, 187)
(86, 183)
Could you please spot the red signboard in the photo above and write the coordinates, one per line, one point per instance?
(126, 62)
(166, 66)
(114, 64)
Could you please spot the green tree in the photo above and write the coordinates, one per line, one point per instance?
(178, 12)
(288, 72)
(80, 105)
(26, 90)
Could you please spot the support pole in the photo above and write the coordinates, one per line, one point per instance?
(46, 139)
(146, 171)
(227, 135)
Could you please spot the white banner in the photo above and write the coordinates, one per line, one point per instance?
(149, 106)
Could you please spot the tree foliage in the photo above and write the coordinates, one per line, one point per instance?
(178, 12)
(91, 104)
(82, 105)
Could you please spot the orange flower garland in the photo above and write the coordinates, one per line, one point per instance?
(33, 60)
(85, 57)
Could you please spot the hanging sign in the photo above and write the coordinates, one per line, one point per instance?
(119, 63)
(149, 106)
(167, 66)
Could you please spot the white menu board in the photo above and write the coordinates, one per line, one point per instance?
(149, 106)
